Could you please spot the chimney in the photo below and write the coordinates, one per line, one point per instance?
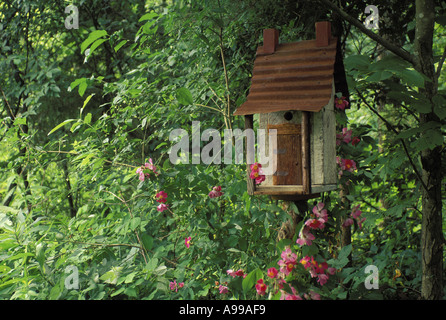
(270, 40)
(323, 33)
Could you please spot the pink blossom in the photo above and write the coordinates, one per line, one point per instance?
(288, 261)
(341, 103)
(174, 285)
(345, 136)
(288, 255)
(312, 296)
(347, 223)
(305, 237)
(322, 279)
(257, 173)
(348, 164)
(145, 170)
(238, 273)
(356, 212)
(161, 197)
(320, 212)
(315, 224)
(162, 207)
(231, 272)
(355, 141)
(272, 273)
(223, 289)
(261, 287)
(216, 192)
(187, 241)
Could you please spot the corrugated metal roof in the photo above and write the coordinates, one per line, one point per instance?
(297, 76)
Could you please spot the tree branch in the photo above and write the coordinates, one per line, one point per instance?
(406, 151)
(358, 24)
(440, 65)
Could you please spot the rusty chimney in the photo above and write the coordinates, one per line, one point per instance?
(270, 40)
(323, 33)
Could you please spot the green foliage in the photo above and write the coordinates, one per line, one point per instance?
(84, 109)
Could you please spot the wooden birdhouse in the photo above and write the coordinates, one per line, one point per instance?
(292, 96)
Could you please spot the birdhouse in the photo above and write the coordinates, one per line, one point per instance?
(292, 97)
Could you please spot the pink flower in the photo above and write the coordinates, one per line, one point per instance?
(257, 173)
(294, 295)
(320, 212)
(348, 165)
(187, 241)
(272, 273)
(174, 286)
(162, 207)
(222, 289)
(354, 215)
(288, 255)
(305, 237)
(355, 141)
(145, 170)
(356, 212)
(231, 273)
(347, 223)
(315, 224)
(216, 192)
(288, 261)
(322, 279)
(261, 287)
(345, 136)
(238, 273)
(341, 103)
(161, 197)
(312, 296)
(360, 221)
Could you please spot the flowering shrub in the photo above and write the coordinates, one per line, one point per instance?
(291, 278)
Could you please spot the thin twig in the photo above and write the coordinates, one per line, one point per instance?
(440, 64)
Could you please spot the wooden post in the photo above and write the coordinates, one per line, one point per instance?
(249, 124)
(306, 163)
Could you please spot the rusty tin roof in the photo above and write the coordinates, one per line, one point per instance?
(293, 76)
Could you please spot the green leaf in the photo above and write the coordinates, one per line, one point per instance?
(251, 279)
(96, 44)
(412, 78)
(120, 44)
(87, 119)
(82, 87)
(439, 106)
(148, 16)
(147, 241)
(342, 259)
(85, 103)
(184, 96)
(19, 120)
(40, 254)
(93, 36)
(60, 125)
